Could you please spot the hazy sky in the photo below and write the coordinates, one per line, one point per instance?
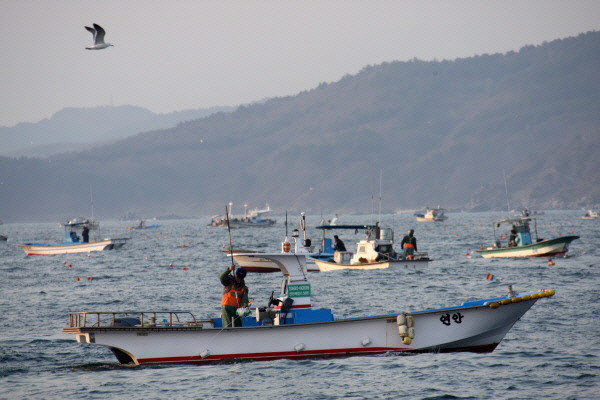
(174, 55)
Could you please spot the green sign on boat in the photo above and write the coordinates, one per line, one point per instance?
(302, 290)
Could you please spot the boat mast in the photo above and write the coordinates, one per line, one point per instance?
(230, 244)
(379, 219)
(506, 189)
(93, 222)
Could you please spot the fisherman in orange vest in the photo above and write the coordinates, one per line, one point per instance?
(235, 295)
(409, 244)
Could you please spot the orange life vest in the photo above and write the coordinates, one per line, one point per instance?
(408, 244)
(233, 297)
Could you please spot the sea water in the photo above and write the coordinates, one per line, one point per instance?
(553, 352)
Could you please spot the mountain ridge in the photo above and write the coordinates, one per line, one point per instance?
(442, 133)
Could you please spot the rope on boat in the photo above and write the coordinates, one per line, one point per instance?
(526, 297)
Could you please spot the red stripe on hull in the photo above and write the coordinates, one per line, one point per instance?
(268, 356)
(309, 354)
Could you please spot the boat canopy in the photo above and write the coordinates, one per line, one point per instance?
(511, 221)
(348, 227)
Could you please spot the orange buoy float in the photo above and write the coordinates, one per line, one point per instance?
(286, 247)
(550, 263)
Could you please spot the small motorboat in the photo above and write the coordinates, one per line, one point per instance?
(289, 328)
(255, 219)
(142, 225)
(432, 214)
(590, 214)
(373, 252)
(520, 243)
(74, 242)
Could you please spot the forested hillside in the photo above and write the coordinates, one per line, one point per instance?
(439, 132)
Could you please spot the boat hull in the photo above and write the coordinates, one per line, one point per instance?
(423, 219)
(325, 266)
(42, 249)
(471, 327)
(544, 248)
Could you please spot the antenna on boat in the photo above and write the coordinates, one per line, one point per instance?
(380, 196)
(229, 230)
(92, 203)
(372, 204)
(506, 189)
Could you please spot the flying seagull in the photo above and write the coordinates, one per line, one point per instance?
(98, 33)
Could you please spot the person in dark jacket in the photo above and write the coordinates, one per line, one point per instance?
(235, 296)
(409, 244)
(338, 245)
(86, 234)
(512, 239)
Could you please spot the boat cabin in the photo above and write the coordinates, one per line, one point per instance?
(377, 246)
(521, 236)
(293, 305)
(74, 229)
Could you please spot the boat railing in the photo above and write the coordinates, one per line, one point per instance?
(146, 319)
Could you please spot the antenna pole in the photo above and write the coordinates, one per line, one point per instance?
(92, 202)
(230, 245)
(506, 189)
(380, 172)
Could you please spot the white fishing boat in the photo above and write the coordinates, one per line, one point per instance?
(74, 242)
(301, 246)
(255, 219)
(590, 214)
(288, 327)
(375, 251)
(520, 244)
(432, 214)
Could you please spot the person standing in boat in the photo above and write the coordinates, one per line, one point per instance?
(409, 244)
(512, 239)
(235, 295)
(85, 234)
(338, 245)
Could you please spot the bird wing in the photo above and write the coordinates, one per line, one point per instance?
(99, 38)
(91, 30)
